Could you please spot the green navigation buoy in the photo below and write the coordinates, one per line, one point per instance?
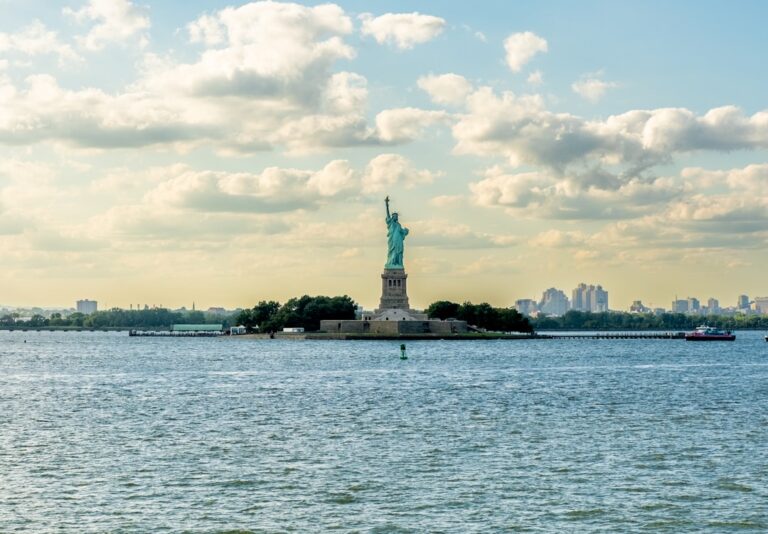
(402, 352)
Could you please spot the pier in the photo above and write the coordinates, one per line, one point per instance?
(174, 333)
(617, 335)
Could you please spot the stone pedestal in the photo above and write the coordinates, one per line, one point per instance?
(394, 294)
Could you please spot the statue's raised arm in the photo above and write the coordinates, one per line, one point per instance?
(386, 203)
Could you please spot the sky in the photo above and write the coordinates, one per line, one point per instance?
(163, 152)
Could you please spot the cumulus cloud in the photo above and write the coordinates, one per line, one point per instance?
(521, 47)
(273, 190)
(402, 30)
(10, 223)
(206, 29)
(521, 129)
(553, 238)
(535, 78)
(176, 228)
(752, 179)
(699, 210)
(446, 89)
(387, 170)
(592, 195)
(266, 78)
(450, 235)
(36, 39)
(592, 88)
(444, 201)
(93, 118)
(115, 21)
(405, 124)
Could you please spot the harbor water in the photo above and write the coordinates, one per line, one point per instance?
(100, 432)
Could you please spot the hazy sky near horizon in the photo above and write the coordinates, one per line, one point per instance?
(162, 152)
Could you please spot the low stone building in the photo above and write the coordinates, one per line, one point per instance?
(387, 327)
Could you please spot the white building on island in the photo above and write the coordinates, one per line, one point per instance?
(86, 306)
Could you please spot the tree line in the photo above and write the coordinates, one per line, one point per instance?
(577, 320)
(307, 312)
(299, 312)
(116, 318)
(481, 315)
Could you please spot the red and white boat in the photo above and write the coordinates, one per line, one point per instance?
(709, 333)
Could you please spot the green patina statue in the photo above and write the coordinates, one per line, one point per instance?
(395, 238)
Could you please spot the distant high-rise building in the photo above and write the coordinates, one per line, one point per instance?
(87, 306)
(761, 305)
(579, 297)
(742, 302)
(713, 306)
(680, 306)
(553, 302)
(526, 306)
(598, 299)
(638, 307)
(694, 306)
(589, 298)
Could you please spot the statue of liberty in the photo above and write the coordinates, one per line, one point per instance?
(395, 238)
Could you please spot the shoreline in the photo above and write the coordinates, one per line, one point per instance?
(322, 336)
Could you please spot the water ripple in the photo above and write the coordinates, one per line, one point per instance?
(105, 433)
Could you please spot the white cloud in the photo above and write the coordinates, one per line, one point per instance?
(116, 21)
(36, 39)
(94, 118)
(269, 83)
(206, 29)
(333, 179)
(535, 78)
(273, 190)
(446, 89)
(387, 170)
(521, 47)
(270, 50)
(405, 124)
(591, 88)
(521, 129)
(559, 239)
(592, 195)
(402, 30)
(752, 179)
(448, 234)
(444, 201)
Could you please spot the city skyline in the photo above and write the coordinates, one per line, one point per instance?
(164, 153)
(553, 302)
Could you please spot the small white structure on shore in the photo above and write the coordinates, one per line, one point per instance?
(293, 330)
(237, 330)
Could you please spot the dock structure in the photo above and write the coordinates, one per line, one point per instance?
(183, 330)
(173, 333)
(617, 335)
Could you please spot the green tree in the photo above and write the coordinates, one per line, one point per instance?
(307, 312)
(38, 320)
(260, 317)
(76, 319)
(481, 315)
(443, 309)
